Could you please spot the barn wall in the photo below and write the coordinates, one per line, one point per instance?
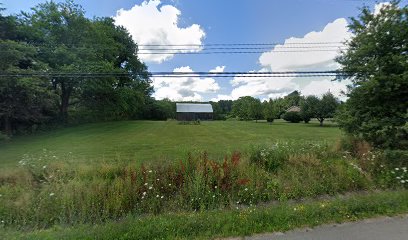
(190, 116)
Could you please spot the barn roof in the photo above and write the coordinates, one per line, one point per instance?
(293, 109)
(194, 107)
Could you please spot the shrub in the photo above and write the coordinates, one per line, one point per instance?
(292, 117)
(269, 120)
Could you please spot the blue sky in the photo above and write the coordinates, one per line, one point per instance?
(222, 21)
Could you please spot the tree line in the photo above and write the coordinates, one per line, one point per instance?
(58, 38)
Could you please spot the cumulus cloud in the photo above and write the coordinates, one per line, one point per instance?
(334, 33)
(154, 24)
(185, 88)
(278, 59)
(320, 87)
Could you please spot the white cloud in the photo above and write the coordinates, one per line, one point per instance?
(222, 97)
(155, 24)
(320, 87)
(334, 33)
(276, 60)
(185, 88)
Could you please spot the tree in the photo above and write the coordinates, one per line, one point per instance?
(325, 107)
(306, 108)
(292, 99)
(23, 101)
(270, 110)
(377, 63)
(68, 42)
(247, 108)
(256, 109)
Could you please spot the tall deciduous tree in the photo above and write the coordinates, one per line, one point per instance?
(69, 42)
(377, 62)
(23, 101)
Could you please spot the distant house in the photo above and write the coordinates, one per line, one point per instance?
(194, 111)
(293, 109)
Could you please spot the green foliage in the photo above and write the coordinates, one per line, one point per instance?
(307, 108)
(58, 38)
(247, 108)
(377, 62)
(293, 117)
(232, 223)
(270, 110)
(47, 189)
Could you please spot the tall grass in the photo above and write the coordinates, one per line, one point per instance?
(47, 189)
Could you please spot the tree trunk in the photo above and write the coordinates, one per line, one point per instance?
(321, 122)
(65, 95)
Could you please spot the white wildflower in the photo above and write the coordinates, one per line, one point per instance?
(162, 197)
(52, 194)
(157, 196)
(215, 187)
(45, 166)
(396, 169)
(169, 184)
(144, 193)
(150, 187)
(246, 189)
(402, 181)
(150, 171)
(146, 184)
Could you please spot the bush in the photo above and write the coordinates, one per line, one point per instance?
(292, 117)
(306, 119)
(270, 120)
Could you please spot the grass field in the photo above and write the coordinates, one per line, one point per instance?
(91, 177)
(148, 140)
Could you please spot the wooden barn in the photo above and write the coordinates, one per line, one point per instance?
(194, 111)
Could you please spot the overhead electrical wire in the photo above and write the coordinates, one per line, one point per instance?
(181, 74)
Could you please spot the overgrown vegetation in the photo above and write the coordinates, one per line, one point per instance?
(377, 63)
(228, 223)
(45, 190)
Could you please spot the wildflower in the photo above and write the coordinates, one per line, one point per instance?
(1, 195)
(162, 197)
(157, 179)
(144, 193)
(157, 196)
(150, 171)
(215, 187)
(213, 196)
(398, 178)
(52, 194)
(246, 189)
(322, 205)
(150, 188)
(294, 209)
(396, 169)
(402, 181)
(146, 184)
(45, 166)
(169, 184)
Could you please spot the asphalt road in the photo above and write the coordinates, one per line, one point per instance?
(383, 228)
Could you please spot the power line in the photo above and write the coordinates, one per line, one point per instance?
(181, 74)
(240, 52)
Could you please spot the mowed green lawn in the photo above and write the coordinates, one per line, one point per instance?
(158, 141)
